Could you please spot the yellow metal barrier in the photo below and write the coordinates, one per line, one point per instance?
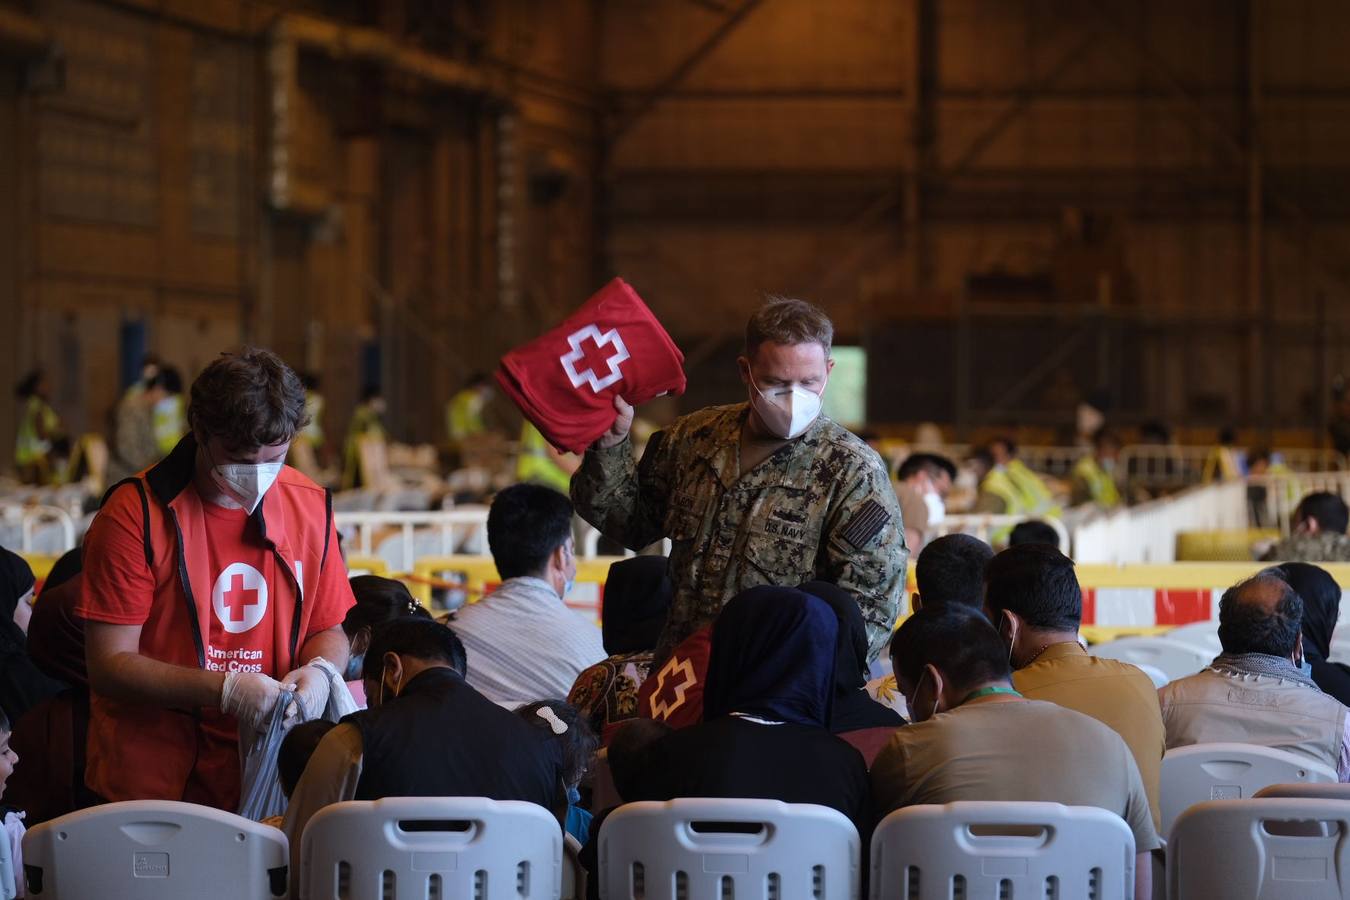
(1221, 546)
(368, 565)
(40, 564)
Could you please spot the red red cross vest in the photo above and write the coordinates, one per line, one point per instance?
(145, 752)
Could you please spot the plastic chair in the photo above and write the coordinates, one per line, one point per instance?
(1203, 772)
(1203, 636)
(1307, 790)
(1173, 658)
(697, 848)
(1269, 849)
(573, 872)
(420, 848)
(991, 850)
(155, 850)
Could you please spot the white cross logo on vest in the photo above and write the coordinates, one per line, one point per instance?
(578, 355)
(239, 597)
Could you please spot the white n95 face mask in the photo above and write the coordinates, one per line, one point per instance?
(787, 412)
(246, 484)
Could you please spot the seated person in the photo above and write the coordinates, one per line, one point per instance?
(564, 724)
(1033, 599)
(294, 754)
(1321, 597)
(22, 684)
(855, 716)
(10, 818)
(1320, 522)
(522, 640)
(378, 600)
(951, 570)
(766, 713)
(973, 737)
(637, 598)
(421, 709)
(1256, 691)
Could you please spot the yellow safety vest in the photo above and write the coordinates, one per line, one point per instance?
(536, 465)
(29, 447)
(998, 483)
(1101, 486)
(169, 422)
(464, 416)
(313, 432)
(365, 423)
(1221, 465)
(1036, 497)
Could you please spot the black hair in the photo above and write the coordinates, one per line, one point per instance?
(1033, 532)
(1155, 432)
(958, 641)
(424, 639)
(1105, 435)
(5, 726)
(297, 747)
(931, 463)
(1328, 509)
(370, 392)
(526, 524)
(170, 379)
(28, 385)
(1007, 442)
(1228, 435)
(951, 571)
(1258, 455)
(630, 755)
(983, 456)
(310, 381)
(1245, 624)
(1038, 583)
(379, 600)
(579, 742)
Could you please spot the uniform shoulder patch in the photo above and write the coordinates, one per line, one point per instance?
(865, 524)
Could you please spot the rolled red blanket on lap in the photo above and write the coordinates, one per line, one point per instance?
(566, 380)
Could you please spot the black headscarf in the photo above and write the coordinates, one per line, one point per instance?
(22, 685)
(854, 709)
(56, 633)
(638, 592)
(1321, 606)
(772, 656)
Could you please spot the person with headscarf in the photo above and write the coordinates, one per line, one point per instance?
(637, 597)
(378, 600)
(856, 716)
(22, 684)
(767, 707)
(1321, 608)
(51, 736)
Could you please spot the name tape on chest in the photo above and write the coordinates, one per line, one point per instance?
(865, 524)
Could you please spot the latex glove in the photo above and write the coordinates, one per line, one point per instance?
(250, 697)
(311, 691)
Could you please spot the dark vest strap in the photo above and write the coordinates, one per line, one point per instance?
(145, 514)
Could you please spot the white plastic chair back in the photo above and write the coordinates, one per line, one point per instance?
(1174, 658)
(155, 850)
(573, 872)
(992, 850)
(1276, 849)
(431, 848)
(1155, 675)
(1307, 790)
(1203, 636)
(1203, 772)
(715, 848)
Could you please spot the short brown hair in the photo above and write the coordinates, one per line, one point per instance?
(248, 398)
(784, 320)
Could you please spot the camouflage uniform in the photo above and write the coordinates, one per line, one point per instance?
(820, 508)
(1325, 546)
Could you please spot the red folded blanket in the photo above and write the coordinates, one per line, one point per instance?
(565, 381)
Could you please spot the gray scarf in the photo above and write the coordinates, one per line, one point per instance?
(1263, 664)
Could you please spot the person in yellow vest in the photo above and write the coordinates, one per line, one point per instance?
(540, 463)
(1094, 476)
(1224, 462)
(39, 426)
(367, 422)
(997, 494)
(169, 414)
(464, 414)
(1036, 497)
(312, 433)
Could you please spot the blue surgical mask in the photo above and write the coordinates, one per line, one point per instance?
(356, 664)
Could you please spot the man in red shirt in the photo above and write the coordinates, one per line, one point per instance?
(211, 581)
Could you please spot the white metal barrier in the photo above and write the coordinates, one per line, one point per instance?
(1147, 533)
(46, 530)
(985, 526)
(1277, 496)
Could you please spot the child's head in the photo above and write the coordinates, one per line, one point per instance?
(630, 753)
(569, 728)
(297, 747)
(8, 758)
